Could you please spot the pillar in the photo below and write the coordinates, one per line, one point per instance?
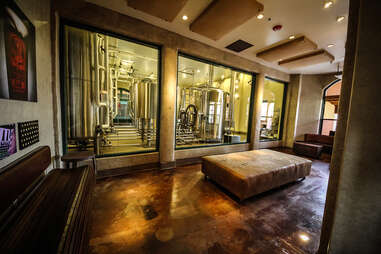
(291, 119)
(352, 219)
(256, 120)
(168, 108)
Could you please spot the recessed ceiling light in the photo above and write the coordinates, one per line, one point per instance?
(328, 4)
(198, 70)
(340, 18)
(185, 17)
(260, 16)
(292, 37)
(222, 76)
(304, 237)
(331, 45)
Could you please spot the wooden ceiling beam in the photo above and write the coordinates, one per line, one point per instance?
(164, 9)
(316, 57)
(287, 49)
(222, 16)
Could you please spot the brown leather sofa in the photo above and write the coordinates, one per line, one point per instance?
(249, 173)
(323, 140)
(44, 213)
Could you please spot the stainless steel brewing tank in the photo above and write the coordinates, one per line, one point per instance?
(145, 99)
(80, 103)
(214, 106)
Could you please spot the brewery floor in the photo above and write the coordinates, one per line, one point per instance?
(179, 212)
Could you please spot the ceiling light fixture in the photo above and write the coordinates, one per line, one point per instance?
(340, 18)
(304, 237)
(198, 70)
(260, 16)
(328, 4)
(185, 17)
(331, 45)
(292, 37)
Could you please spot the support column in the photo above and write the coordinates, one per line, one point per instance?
(351, 222)
(291, 120)
(168, 108)
(256, 120)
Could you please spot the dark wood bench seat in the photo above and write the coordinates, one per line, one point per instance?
(50, 214)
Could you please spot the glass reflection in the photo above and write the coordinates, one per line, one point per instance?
(272, 110)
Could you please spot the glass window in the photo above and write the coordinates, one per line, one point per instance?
(110, 93)
(213, 104)
(272, 110)
(330, 109)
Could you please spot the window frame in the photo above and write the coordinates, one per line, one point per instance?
(321, 120)
(63, 22)
(251, 107)
(284, 103)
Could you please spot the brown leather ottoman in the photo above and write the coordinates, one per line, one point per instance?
(307, 149)
(248, 173)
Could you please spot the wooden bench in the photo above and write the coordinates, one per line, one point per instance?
(44, 213)
(249, 173)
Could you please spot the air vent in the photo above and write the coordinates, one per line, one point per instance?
(239, 46)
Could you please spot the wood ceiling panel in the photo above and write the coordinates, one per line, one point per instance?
(164, 9)
(222, 16)
(316, 57)
(288, 49)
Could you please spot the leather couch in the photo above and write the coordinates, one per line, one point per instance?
(323, 140)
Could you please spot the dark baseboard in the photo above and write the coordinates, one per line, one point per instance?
(101, 174)
(188, 161)
(168, 165)
(126, 170)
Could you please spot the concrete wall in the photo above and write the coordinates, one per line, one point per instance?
(357, 217)
(38, 12)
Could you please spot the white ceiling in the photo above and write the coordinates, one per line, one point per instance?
(307, 17)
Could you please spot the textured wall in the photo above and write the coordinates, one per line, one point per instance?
(38, 12)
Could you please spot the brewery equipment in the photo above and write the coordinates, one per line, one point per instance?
(110, 103)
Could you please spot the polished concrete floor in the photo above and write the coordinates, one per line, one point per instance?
(180, 212)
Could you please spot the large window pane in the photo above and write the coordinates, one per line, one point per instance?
(213, 104)
(111, 93)
(272, 110)
(328, 126)
(330, 109)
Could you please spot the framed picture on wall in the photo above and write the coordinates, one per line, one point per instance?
(17, 54)
(7, 140)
